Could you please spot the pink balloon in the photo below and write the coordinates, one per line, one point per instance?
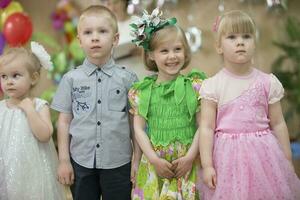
(17, 29)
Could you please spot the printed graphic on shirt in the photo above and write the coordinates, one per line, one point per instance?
(81, 98)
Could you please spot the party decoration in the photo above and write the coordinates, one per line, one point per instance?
(13, 7)
(2, 43)
(276, 4)
(17, 29)
(194, 38)
(4, 3)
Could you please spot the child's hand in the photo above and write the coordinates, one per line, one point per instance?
(26, 104)
(134, 169)
(182, 165)
(65, 173)
(163, 168)
(210, 177)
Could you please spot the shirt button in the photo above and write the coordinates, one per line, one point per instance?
(97, 145)
(99, 101)
(99, 80)
(98, 123)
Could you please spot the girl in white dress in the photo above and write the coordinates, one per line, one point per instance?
(28, 158)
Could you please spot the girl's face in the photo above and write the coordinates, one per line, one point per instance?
(237, 48)
(169, 58)
(16, 80)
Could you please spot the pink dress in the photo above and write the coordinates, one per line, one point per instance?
(247, 157)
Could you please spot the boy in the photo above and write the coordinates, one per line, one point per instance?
(94, 141)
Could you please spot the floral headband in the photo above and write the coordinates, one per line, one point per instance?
(40, 52)
(145, 26)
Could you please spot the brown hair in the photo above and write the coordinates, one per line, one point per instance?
(99, 11)
(167, 34)
(30, 60)
(235, 21)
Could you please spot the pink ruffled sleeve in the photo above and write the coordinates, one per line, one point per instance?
(208, 90)
(133, 100)
(276, 90)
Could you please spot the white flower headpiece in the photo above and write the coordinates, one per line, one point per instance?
(144, 27)
(42, 55)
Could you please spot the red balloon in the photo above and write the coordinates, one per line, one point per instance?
(17, 29)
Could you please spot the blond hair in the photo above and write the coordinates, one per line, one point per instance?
(29, 60)
(166, 34)
(234, 21)
(102, 11)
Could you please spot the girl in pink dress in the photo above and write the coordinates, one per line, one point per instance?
(244, 142)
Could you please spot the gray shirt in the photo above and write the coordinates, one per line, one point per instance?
(97, 99)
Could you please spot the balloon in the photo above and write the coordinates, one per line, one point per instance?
(13, 7)
(2, 43)
(17, 29)
(4, 3)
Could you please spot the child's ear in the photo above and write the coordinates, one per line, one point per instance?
(151, 57)
(218, 48)
(116, 39)
(78, 38)
(34, 78)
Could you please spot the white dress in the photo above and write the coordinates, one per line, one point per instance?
(27, 166)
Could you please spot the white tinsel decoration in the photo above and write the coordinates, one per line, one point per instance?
(42, 55)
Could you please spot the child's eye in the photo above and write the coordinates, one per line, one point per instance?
(164, 51)
(177, 49)
(16, 76)
(103, 31)
(87, 32)
(3, 77)
(231, 37)
(247, 36)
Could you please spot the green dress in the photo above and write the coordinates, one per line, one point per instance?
(169, 109)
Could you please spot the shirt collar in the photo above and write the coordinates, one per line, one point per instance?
(106, 68)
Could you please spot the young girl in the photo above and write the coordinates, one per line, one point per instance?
(165, 108)
(27, 154)
(244, 143)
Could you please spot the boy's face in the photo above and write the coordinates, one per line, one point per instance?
(97, 37)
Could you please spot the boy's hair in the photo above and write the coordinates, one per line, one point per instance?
(98, 10)
(29, 60)
(167, 34)
(234, 21)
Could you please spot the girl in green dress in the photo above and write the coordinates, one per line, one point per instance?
(166, 113)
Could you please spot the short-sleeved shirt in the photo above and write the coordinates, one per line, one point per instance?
(97, 99)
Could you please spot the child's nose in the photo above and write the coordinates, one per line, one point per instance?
(172, 55)
(240, 41)
(95, 37)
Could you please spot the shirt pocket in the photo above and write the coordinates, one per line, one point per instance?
(83, 98)
(117, 99)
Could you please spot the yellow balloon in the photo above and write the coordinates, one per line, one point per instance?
(13, 7)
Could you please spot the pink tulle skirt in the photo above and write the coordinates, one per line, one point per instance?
(251, 167)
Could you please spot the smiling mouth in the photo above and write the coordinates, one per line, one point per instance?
(241, 51)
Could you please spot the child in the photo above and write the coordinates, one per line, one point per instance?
(28, 157)
(94, 140)
(244, 142)
(168, 104)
